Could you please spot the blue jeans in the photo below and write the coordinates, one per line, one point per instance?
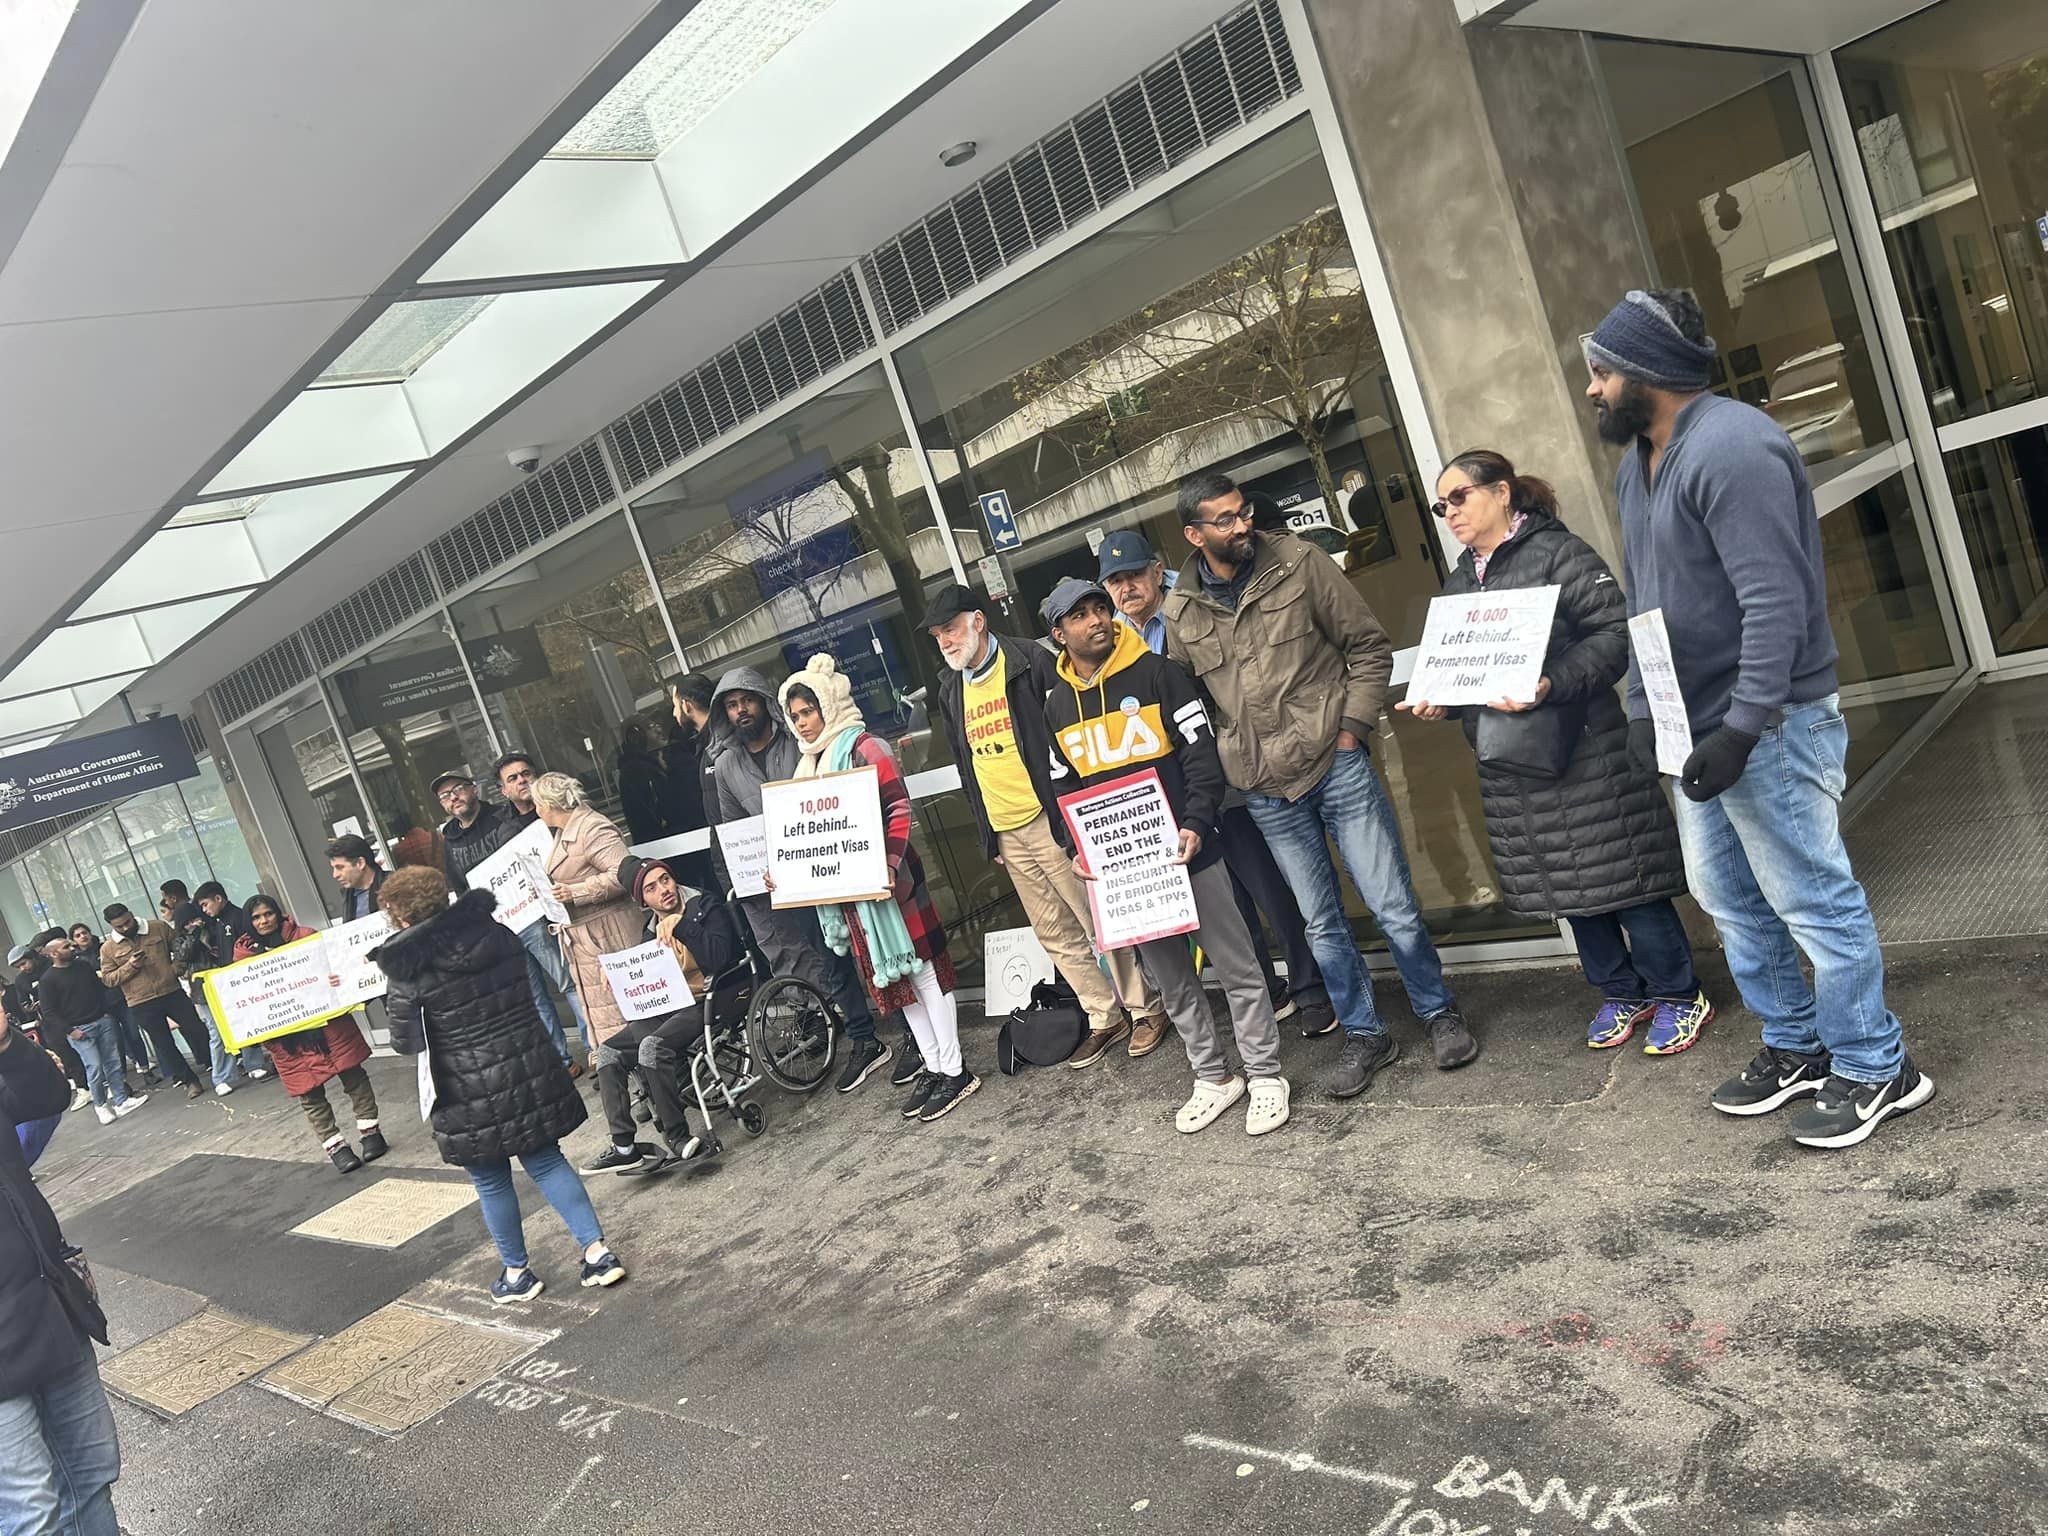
(1351, 808)
(228, 1065)
(1766, 861)
(59, 1456)
(557, 1180)
(100, 1050)
(544, 963)
(1653, 963)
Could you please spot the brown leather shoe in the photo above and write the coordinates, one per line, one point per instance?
(1096, 1044)
(1147, 1034)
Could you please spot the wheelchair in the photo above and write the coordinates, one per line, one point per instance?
(757, 1025)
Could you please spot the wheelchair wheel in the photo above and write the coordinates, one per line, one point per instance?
(753, 1118)
(796, 1033)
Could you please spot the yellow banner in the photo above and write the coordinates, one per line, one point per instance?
(275, 993)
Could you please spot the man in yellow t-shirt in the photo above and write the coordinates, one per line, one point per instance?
(993, 704)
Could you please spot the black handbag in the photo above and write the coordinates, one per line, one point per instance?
(1044, 1034)
(1531, 743)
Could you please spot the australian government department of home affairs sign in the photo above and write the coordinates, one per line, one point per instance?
(75, 775)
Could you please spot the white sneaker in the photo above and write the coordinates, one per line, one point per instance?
(1207, 1102)
(80, 1098)
(106, 1115)
(223, 1089)
(1269, 1109)
(257, 1074)
(132, 1103)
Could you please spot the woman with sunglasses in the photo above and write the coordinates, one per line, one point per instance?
(1577, 830)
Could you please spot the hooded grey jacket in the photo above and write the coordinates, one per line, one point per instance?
(735, 772)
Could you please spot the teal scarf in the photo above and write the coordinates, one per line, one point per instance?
(890, 951)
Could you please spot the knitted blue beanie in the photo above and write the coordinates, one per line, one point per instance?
(1640, 340)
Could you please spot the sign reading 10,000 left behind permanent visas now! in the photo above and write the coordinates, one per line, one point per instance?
(73, 775)
(1482, 647)
(825, 839)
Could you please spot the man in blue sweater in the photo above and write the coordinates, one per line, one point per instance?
(1720, 534)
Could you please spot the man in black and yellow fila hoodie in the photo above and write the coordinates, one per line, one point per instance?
(1116, 710)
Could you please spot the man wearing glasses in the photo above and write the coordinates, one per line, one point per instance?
(1296, 668)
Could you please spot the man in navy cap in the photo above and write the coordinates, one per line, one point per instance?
(1137, 582)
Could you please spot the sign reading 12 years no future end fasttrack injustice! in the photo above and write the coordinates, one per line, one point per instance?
(1479, 647)
(825, 841)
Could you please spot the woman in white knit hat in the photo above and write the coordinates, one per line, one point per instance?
(898, 944)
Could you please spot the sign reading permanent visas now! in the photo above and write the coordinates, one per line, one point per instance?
(72, 775)
(1478, 647)
(1126, 838)
(825, 839)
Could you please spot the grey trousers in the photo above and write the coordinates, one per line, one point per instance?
(1228, 944)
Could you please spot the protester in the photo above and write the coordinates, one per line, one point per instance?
(134, 1049)
(308, 1059)
(898, 943)
(194, 952)
(59, 1451)
(225, 923)
(1578, 831)
(477, 829)
(137, 959)
(1720, 536)
(459, 993)
(699, 928)
(421, 848)
(993, 703)
(1296, 667)
(1136, 580)
(1156, 721)
(758, 748)
(73, 1003)
(643, 783)
(689, 740)
(353, 863)
(583, 866)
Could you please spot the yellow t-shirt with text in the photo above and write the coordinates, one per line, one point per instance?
(1007, 793)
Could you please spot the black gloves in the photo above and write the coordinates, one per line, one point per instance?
(1642, 746)
(1716, 763)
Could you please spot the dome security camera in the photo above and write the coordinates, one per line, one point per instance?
(525, 460)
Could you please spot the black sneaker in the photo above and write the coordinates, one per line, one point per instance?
(920, 1092)
(612, 1159)
(344, 1158)
(605, 1270)
(946, 1093)
(909, 1063)
(862, 1057)
(1315, 1016)
(374, 1146)
(1284, 1005)
(1772, 1079)
(1363, 1055)
(1845, 1112)
(1450, 1042)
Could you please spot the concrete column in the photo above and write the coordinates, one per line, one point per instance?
(1504, 221)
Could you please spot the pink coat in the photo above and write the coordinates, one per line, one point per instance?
(603, 917)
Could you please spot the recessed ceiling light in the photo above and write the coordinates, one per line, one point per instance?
(958, 154)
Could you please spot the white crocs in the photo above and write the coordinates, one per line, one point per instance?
(1268, 1111)
(1207, 1102)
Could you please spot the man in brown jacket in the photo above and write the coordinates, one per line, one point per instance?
(137, 959)
(1296, 668)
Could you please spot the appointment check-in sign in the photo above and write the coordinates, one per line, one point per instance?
(825, 839)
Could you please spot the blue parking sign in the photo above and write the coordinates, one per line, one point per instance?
(1002, 524)
(2041, 229)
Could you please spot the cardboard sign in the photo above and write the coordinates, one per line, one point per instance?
(1125, 836)
(517, 875)
(1012, 962)
(273, 994)
(647, 981)
(825, 842)
(1659, 673)
(348, 957)
(745, 846)
(1481, 646)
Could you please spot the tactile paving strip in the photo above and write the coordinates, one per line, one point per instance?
(341, 1364)
(390, 1213)
(435, 1374)
(175, 1371)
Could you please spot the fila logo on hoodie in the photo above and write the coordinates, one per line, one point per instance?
(1130, 736)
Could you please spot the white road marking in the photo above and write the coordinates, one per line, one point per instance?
(1298, 1461)
(590, 1465)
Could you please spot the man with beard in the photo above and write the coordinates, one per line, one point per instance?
(689, 752)
(136, 957)
(1721, 538)
(993, 703)
(759, 749)
(1296, 670)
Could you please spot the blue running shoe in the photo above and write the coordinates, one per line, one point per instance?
(1616, 1021)
(1676, 1026)
(605, 1269)
(507, 1293)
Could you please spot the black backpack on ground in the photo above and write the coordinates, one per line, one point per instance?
(1044, 1034)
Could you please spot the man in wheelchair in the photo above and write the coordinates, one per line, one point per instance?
(701, 933)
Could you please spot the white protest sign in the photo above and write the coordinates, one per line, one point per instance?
(348, 957)
(427, 1094)
(273, 993)
(1012, 960)
(1124, 835)
(647, 980)
(1660, 686)
(825, 840)
(517, 875)
(1481, 646)
(745, 845)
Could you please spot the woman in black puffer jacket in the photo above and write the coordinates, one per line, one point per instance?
(1596, 844)
(459, 993)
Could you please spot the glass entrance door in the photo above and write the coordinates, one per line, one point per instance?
(321, 801)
